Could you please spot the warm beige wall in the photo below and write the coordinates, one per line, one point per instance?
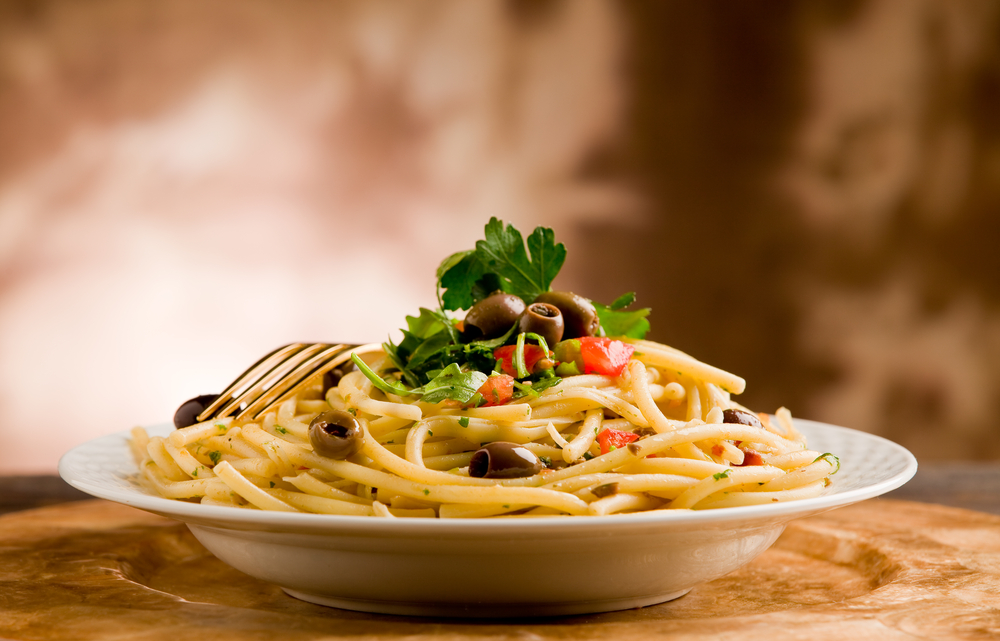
(826, 185)
(805, 194)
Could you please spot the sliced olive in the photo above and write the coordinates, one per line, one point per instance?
(579, 315)
(543, 319)
(493, 316)
(741, 417)
(187, 414)
(502, 460)
(335, 434)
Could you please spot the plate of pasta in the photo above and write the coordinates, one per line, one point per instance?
(521, 452)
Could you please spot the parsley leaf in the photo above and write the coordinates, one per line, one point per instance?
(615, 321)
(724, 474)
(452, 383)
(504, 250)
(465, 280)
(623, 301)
(501, 261)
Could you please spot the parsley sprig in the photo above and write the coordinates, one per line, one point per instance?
(500, 261)
(432, 360)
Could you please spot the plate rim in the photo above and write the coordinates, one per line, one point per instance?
(231, 518)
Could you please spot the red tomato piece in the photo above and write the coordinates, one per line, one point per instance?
(751, 457)
(606, 356)
(612, 438)
(532, 354)
(497, 390)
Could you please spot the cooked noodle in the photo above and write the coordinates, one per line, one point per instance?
(414, 460)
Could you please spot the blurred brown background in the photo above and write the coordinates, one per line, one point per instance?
(806, 193)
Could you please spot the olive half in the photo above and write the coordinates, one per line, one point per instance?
(502, 460)
(187, 414)
(579, 315)
(335, 434)
(741, 417)
(543, 319)
(493, 316)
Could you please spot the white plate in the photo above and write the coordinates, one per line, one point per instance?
(507, 567)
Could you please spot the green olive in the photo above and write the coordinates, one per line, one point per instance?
(543, 319)
(336, 434)
(579, 316)
(502, 460)
(493, 316)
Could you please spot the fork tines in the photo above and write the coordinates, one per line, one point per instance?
(278, 376)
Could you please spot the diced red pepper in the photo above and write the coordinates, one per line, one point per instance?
(612, 438)
(497, 390)
(532, 354)
(602, 355)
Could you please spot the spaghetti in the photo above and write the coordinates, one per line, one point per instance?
(414, 460)
(473, 415)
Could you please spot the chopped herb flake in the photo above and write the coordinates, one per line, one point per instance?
(835, 461)
(216, 456)
(464, 421)
(724, 474)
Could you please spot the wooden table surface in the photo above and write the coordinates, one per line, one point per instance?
(882, 569)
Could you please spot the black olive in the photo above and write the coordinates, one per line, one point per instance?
(608, 489)
(333, 376)
(741, 417)
(579, 316)
(187, 414)
(502, 460)
(545, 320)
(493, 316)
(335, 434)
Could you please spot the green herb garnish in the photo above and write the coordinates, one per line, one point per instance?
(835, 459)
(615, 321)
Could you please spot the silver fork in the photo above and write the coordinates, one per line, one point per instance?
(278, 376)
